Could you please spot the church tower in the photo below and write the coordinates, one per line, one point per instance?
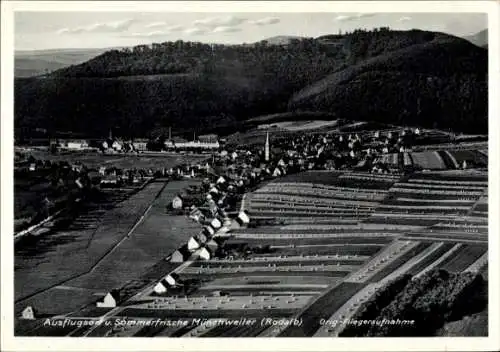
(266, 148)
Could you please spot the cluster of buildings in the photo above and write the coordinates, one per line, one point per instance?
(204, 143)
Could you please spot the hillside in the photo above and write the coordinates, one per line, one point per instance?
(281, 39)
(37, 62)
(197, 86)
(479, 39)
(439, 84)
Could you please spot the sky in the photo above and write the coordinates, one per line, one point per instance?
(57, 30)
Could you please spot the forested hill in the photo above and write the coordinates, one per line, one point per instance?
(441, 84)
(194, 85)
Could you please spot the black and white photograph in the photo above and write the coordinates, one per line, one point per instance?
(227, 173)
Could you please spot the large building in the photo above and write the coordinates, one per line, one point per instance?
(192, 145)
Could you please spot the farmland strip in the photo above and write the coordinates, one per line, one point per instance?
(398, 262)
(321, 308)
(437, 186)
(346, 312)
(395, 250)
(441, 259)
(478, 264)
(463, 258)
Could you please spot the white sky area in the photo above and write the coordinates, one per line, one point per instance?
(51, 30)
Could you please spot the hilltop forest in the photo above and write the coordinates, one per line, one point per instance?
(405, 77)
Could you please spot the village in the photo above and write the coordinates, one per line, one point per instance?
(270, 228)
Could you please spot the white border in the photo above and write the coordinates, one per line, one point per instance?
(11, 343)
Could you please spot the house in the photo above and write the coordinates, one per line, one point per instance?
(140, 144)
(32, 167)
(193, 244)
(212, 245)
(221, 180)
(202, 238)
(161, 287)
(172, 279)
(110, 300)
(116, 146)
(196, 214)
(208, 138)
(76, 145)
(205, 253)
(102, 170)
(110, 181)
(28, 313)
(241, 220)
(276, 172)
(180, 255)
(177, 202)
(214, 191)
(216, 224)
(208, 231)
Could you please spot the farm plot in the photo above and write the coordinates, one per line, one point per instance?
(452, 177)
(310, 240)
(311, 259)
(136, 255)
(480, 209)
(463, 258)
(313, 177)
(428, 160)
(408, 201)
(64, 255)
(321, 308)
(361, 249)
(346, 312)
(348, 228)
(207, 313)
(58, 300)
(273, 271)
(396, 263)
(341, 193)
(471, 157)
(439, 187)
(388, 159)
(122, 161)
(289, 214)
(201, 303)
(434, 258)
(277, 263)
(390, 253)
(154, 239)
(273, 280)
(272, 268)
